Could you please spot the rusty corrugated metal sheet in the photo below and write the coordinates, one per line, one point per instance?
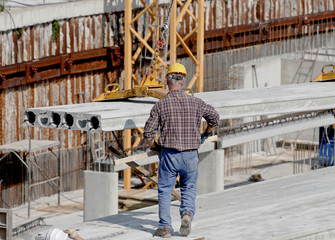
(55, 91)
(221, 13)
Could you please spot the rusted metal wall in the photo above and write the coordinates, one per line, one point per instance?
(98, 31)
(221, 13)
(227, 13)
(36, 42)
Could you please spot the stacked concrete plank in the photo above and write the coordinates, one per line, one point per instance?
(130, 114)
(95, 116)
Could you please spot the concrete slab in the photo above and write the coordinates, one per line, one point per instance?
(293, 207)
(120, 115)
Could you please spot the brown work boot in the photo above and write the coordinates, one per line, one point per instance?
(185, 227)
(163, 232)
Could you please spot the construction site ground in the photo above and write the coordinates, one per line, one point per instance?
(282, 206)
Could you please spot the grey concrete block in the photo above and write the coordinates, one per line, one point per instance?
(211, 172)
(100, 194)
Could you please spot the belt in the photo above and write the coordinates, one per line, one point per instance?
(190, 150)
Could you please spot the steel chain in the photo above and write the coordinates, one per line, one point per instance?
(165, 27)
(160, 42)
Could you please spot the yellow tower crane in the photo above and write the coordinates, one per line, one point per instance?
(149, 85)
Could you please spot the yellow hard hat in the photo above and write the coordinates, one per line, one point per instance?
(177, 68)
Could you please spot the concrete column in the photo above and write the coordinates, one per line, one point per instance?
(6, 224)
(100, 194)
(211, 172)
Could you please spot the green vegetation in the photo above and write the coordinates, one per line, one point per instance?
(55, 30)
(3, 5)
(19, 32)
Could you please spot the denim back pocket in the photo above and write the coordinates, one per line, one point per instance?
(192, 160)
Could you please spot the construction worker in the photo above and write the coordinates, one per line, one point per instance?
(178, 118)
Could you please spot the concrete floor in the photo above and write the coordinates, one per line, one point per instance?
(293, 207)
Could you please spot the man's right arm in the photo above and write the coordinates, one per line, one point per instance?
(212, 117)
(153, 145)
(206, 134)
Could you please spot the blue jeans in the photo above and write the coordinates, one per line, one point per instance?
(171, 163)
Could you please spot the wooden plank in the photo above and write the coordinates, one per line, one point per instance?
(126, 160)
(134, 157)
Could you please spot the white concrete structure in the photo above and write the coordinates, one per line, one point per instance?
(100, 194)
(211, 172)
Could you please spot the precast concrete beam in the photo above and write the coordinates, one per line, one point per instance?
(58, 10)
(129, 114)
(275, 130)
(39, 117)
(82, 117)
(89, 116)
(46, 119)
(49, 116)
(77, 116)
(105, 122)
(272, 100)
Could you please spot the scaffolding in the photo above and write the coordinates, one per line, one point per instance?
(25, 151)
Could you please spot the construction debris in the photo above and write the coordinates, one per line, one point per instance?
(256, 178)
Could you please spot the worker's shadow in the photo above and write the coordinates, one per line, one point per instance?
(135, 220)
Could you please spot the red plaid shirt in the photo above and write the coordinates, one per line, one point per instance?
(178, 116)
